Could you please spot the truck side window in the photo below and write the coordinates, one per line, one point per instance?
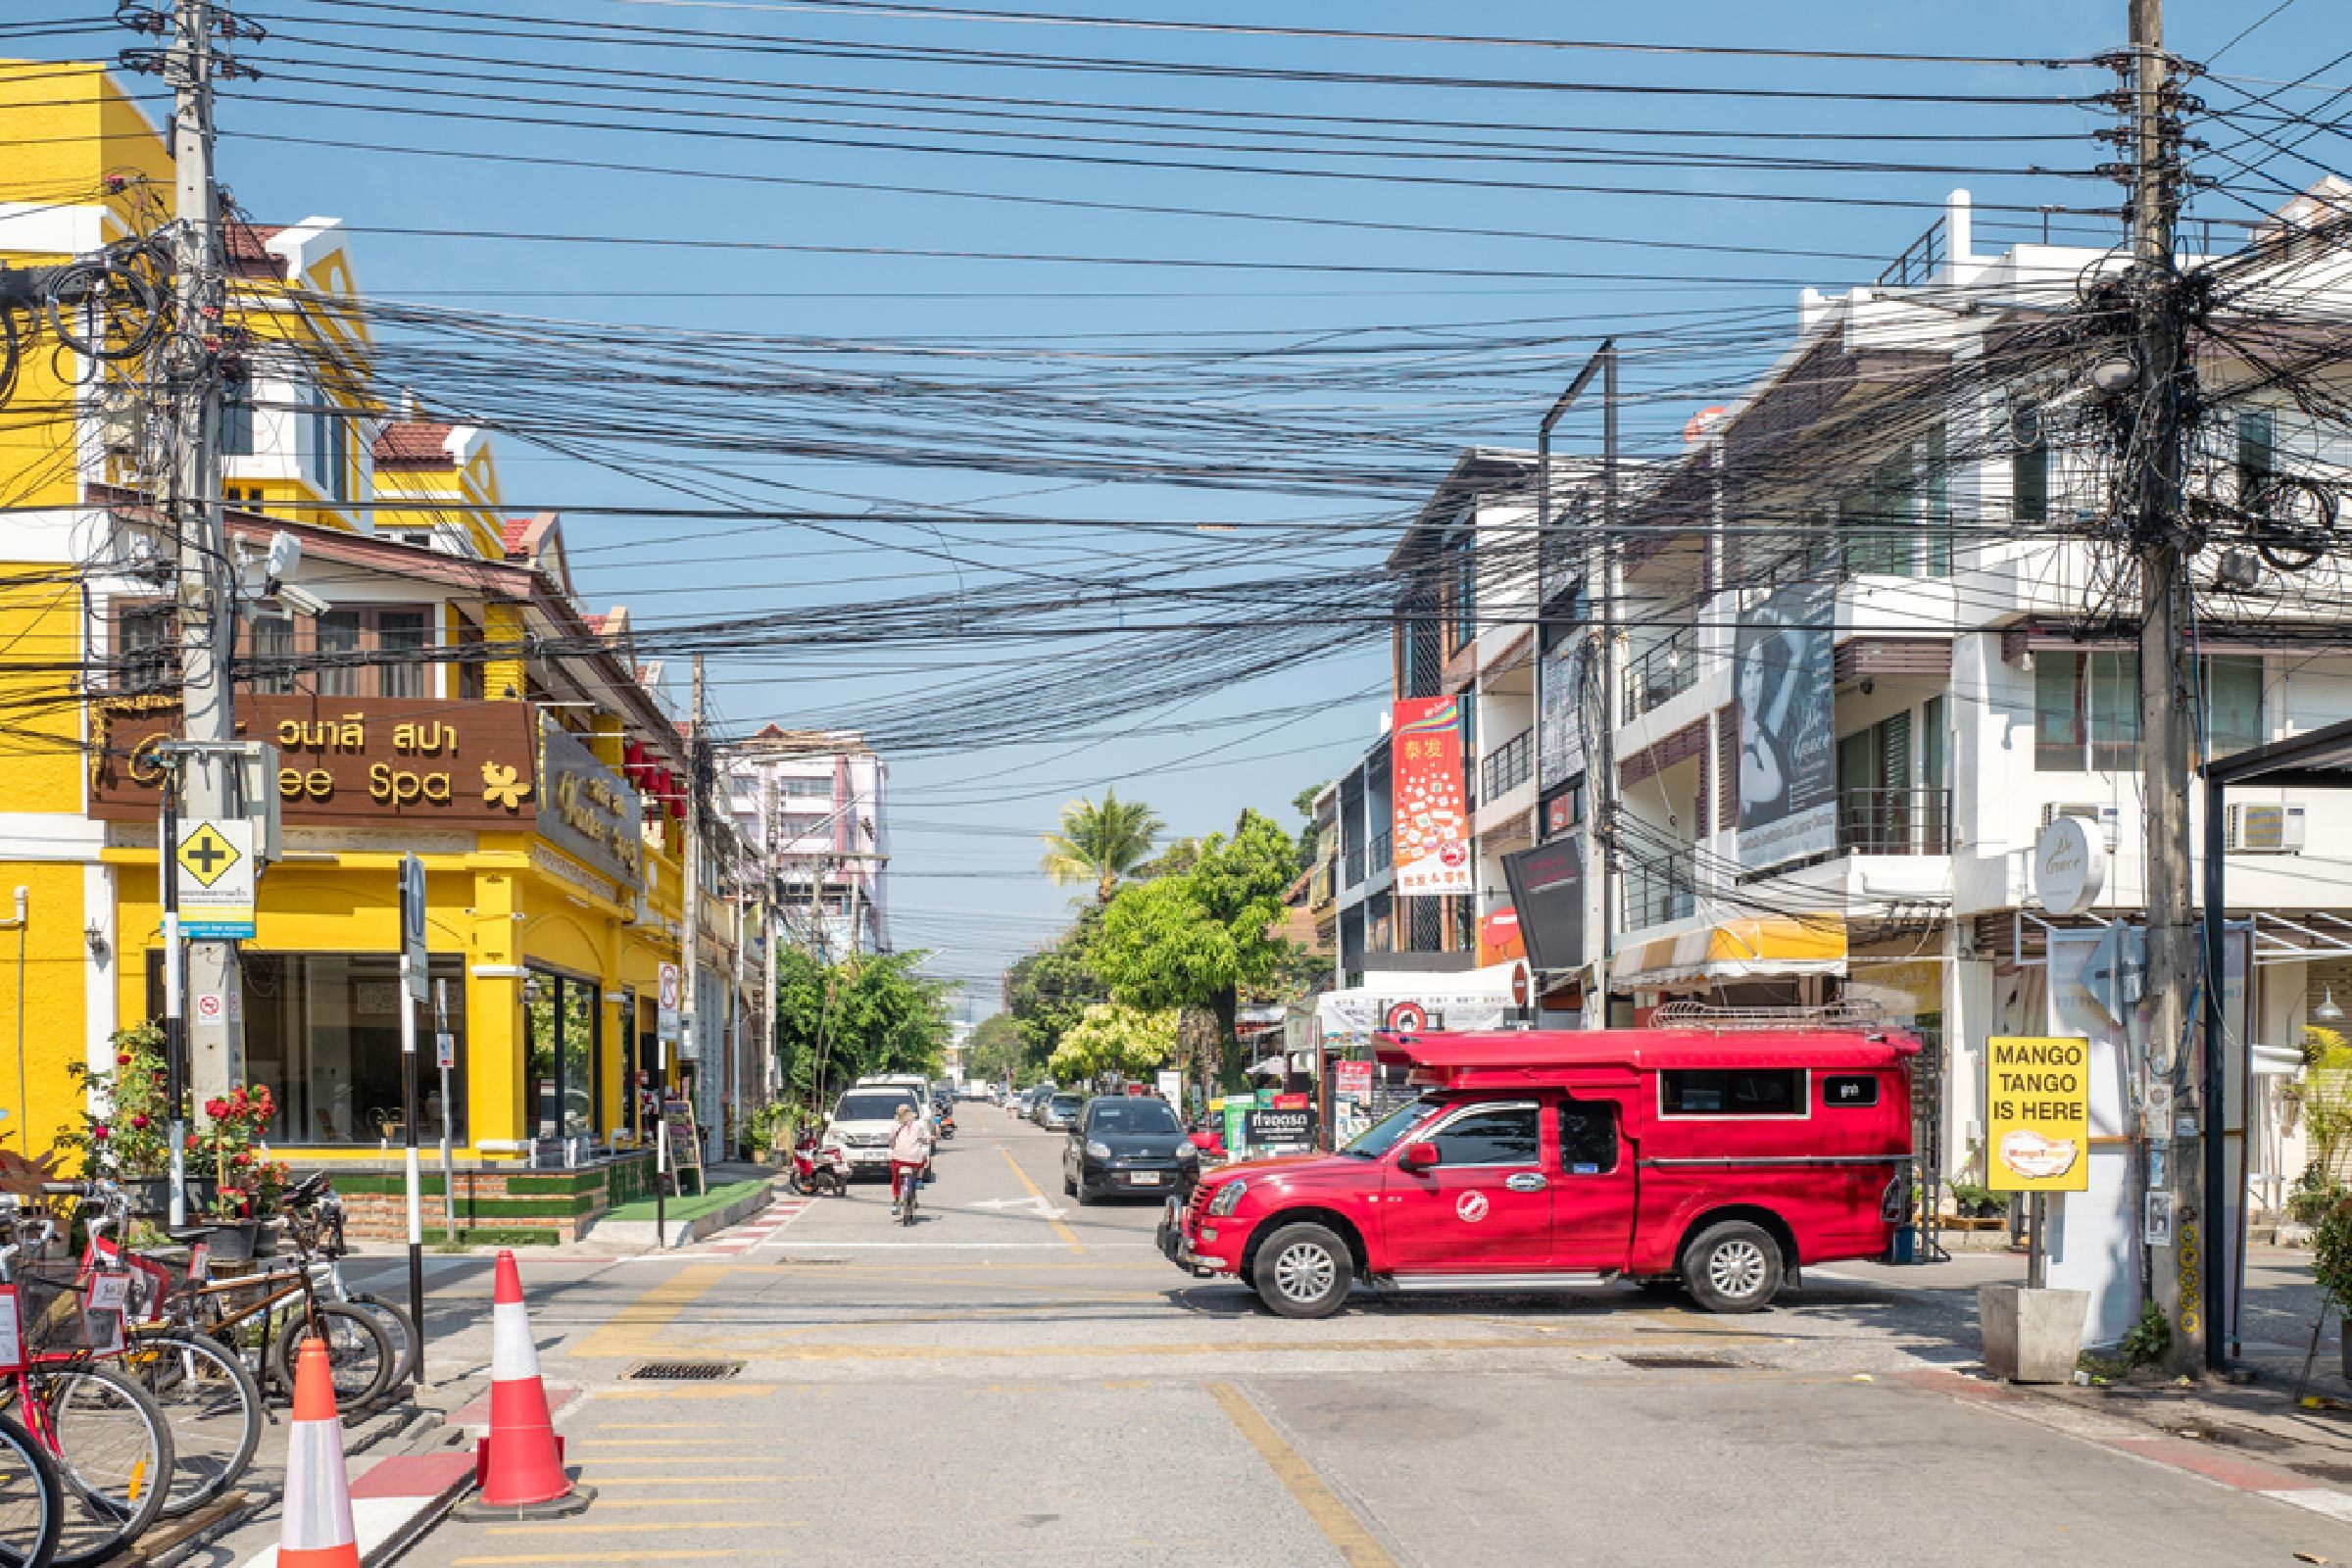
(1496, 1135)
(1733, 1092)
(1587, 1136)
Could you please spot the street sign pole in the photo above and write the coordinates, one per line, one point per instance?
(176, 1023)
(445, 1056)
(413, 969)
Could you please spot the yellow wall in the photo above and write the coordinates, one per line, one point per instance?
(54, 1036)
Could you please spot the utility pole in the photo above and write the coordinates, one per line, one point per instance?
(207, 611)
(2173, 1171)
(691, 903)
(768, 912)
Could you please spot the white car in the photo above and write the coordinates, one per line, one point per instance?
(863, 1119)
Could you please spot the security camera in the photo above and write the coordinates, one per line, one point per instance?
(301, 600)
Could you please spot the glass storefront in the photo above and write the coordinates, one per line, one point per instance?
(323, 1031)
(562, 1016)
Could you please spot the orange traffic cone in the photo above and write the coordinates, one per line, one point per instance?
(521, 1464)
(316, 1533)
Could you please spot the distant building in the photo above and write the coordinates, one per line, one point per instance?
(813, 803)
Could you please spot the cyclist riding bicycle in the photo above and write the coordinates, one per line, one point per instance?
(909, 1152)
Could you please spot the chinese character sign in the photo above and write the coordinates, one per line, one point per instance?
(1432, 808)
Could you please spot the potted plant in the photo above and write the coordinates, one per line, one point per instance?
(2331, 1266)
(125, 1119)
(232, 1147)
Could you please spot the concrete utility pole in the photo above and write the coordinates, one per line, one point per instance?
(2168, 688)
(690, 902)
(768, 907)
(207, 613)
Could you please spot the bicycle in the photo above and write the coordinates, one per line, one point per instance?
(910, 1178)
(108, 1441)
(331, 1245)
(359, 1355)
(32, 1503)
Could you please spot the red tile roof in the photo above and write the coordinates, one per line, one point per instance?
(515, 531)
(414, 441)
(596, 624)
(248, 246)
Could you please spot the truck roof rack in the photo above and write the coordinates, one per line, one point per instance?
(1853, 1014)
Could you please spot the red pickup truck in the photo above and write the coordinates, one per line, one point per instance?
(1724, 1160)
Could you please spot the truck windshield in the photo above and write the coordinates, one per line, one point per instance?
(1380, 1139)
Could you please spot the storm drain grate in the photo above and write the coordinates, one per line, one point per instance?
(1679, 1363)
(681, 1371)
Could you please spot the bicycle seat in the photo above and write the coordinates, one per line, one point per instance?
(191, 1235)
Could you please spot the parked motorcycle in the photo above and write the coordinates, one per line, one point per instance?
(818, 1171)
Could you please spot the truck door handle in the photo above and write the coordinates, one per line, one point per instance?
(1527, 1181)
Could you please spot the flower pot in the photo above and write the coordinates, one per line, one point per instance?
(269, 1234)
(149, 1197)
(232, 1241)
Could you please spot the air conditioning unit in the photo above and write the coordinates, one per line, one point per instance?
(2087, 811)
(2264, 830)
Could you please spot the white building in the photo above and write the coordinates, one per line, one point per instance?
(815, 802)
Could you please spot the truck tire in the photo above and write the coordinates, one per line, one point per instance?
(1732, 1266)
(1302, 1270)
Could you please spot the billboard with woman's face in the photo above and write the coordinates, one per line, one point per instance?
(1783, 659)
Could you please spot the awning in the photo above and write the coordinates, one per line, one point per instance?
(1770, 946)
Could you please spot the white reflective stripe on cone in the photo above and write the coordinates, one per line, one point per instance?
(513, 1355)
(318, 1502)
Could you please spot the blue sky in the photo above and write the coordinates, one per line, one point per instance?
(966, 818)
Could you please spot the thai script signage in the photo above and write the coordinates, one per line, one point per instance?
(344, 762)
(587, 810)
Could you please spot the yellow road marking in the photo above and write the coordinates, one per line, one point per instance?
(602, 1504)
(592, 1556)
(716, 1440)
(583, 1527)
(1340, 1526)
(1059, 1229)
(630, 1333)
(797, 1351)
(731, 1390)
(624, 1460)
(681, 1481)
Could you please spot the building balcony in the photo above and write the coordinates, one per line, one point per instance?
(1661, 672)
(1657, 895)
(1904, 821)
(1383, 853)
(1508, 766)
(1356, 864)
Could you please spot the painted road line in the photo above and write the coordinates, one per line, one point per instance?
(1341, 1527)
(1069, 1237)
(590, 1556)
(631, 1332)
(735, 1390)
(800, 1351)
(821, 1248)
(585, 1526)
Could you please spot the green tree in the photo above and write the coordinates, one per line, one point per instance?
(1304, 803)
(1115, 1039)
(994, 1053)
(1204, 937)
(1101, 842)
(870, 1013)
(1047, 991)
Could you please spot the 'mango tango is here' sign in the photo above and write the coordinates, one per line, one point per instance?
(2037, 1114)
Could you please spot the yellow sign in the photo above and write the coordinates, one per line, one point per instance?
(2037, 1114)
(207, 856)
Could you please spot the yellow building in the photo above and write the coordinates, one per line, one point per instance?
(451, 700)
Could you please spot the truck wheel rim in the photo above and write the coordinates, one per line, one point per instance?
(1303, 1272)
(1736, 1268)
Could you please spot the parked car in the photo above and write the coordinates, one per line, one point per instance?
(1122, 1144)
(1060, 1109)
(1758, 1154)
(1039, 1099)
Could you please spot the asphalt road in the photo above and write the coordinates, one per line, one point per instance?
(1019, 1380)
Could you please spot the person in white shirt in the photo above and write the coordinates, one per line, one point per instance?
(910, 1152)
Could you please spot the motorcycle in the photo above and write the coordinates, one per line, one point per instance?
(945, 1118)
(819, 1170)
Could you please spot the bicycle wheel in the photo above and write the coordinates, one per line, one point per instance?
(113, 1449)
(10, 352)
(214, 1407)
(357, 1353)
(32, 1502)
(398, 1333)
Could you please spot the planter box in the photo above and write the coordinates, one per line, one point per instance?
(2032, 1336)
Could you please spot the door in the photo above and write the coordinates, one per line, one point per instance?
(1592, 1186)
(1485, 1206)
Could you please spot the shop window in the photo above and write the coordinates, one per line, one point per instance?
(566, 1093)
(322, 1029)
(270, 656)
(401, 636)
(2086, 708)
(147, 648)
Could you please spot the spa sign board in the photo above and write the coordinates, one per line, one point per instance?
(2037, 1114)
(345, 761)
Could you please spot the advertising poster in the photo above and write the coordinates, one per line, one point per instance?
(1560, 735)
(2037, 1114)
(1781, 660)
(1432, 815)
(1547, 888)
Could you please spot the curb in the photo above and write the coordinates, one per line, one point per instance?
(637, 1235)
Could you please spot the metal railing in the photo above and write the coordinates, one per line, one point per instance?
(1919, 261)
(1356, 864)
(1904, 821)
(1656, 894)
(1382, 850)
(1663, 672)
(1510, 766)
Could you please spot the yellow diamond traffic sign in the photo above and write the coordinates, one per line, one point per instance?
(206, 855)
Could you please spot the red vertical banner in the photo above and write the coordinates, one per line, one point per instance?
(1432, 810)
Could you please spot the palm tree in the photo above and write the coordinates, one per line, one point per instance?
(1100, 843)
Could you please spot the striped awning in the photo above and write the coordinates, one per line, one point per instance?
(1768, 946)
